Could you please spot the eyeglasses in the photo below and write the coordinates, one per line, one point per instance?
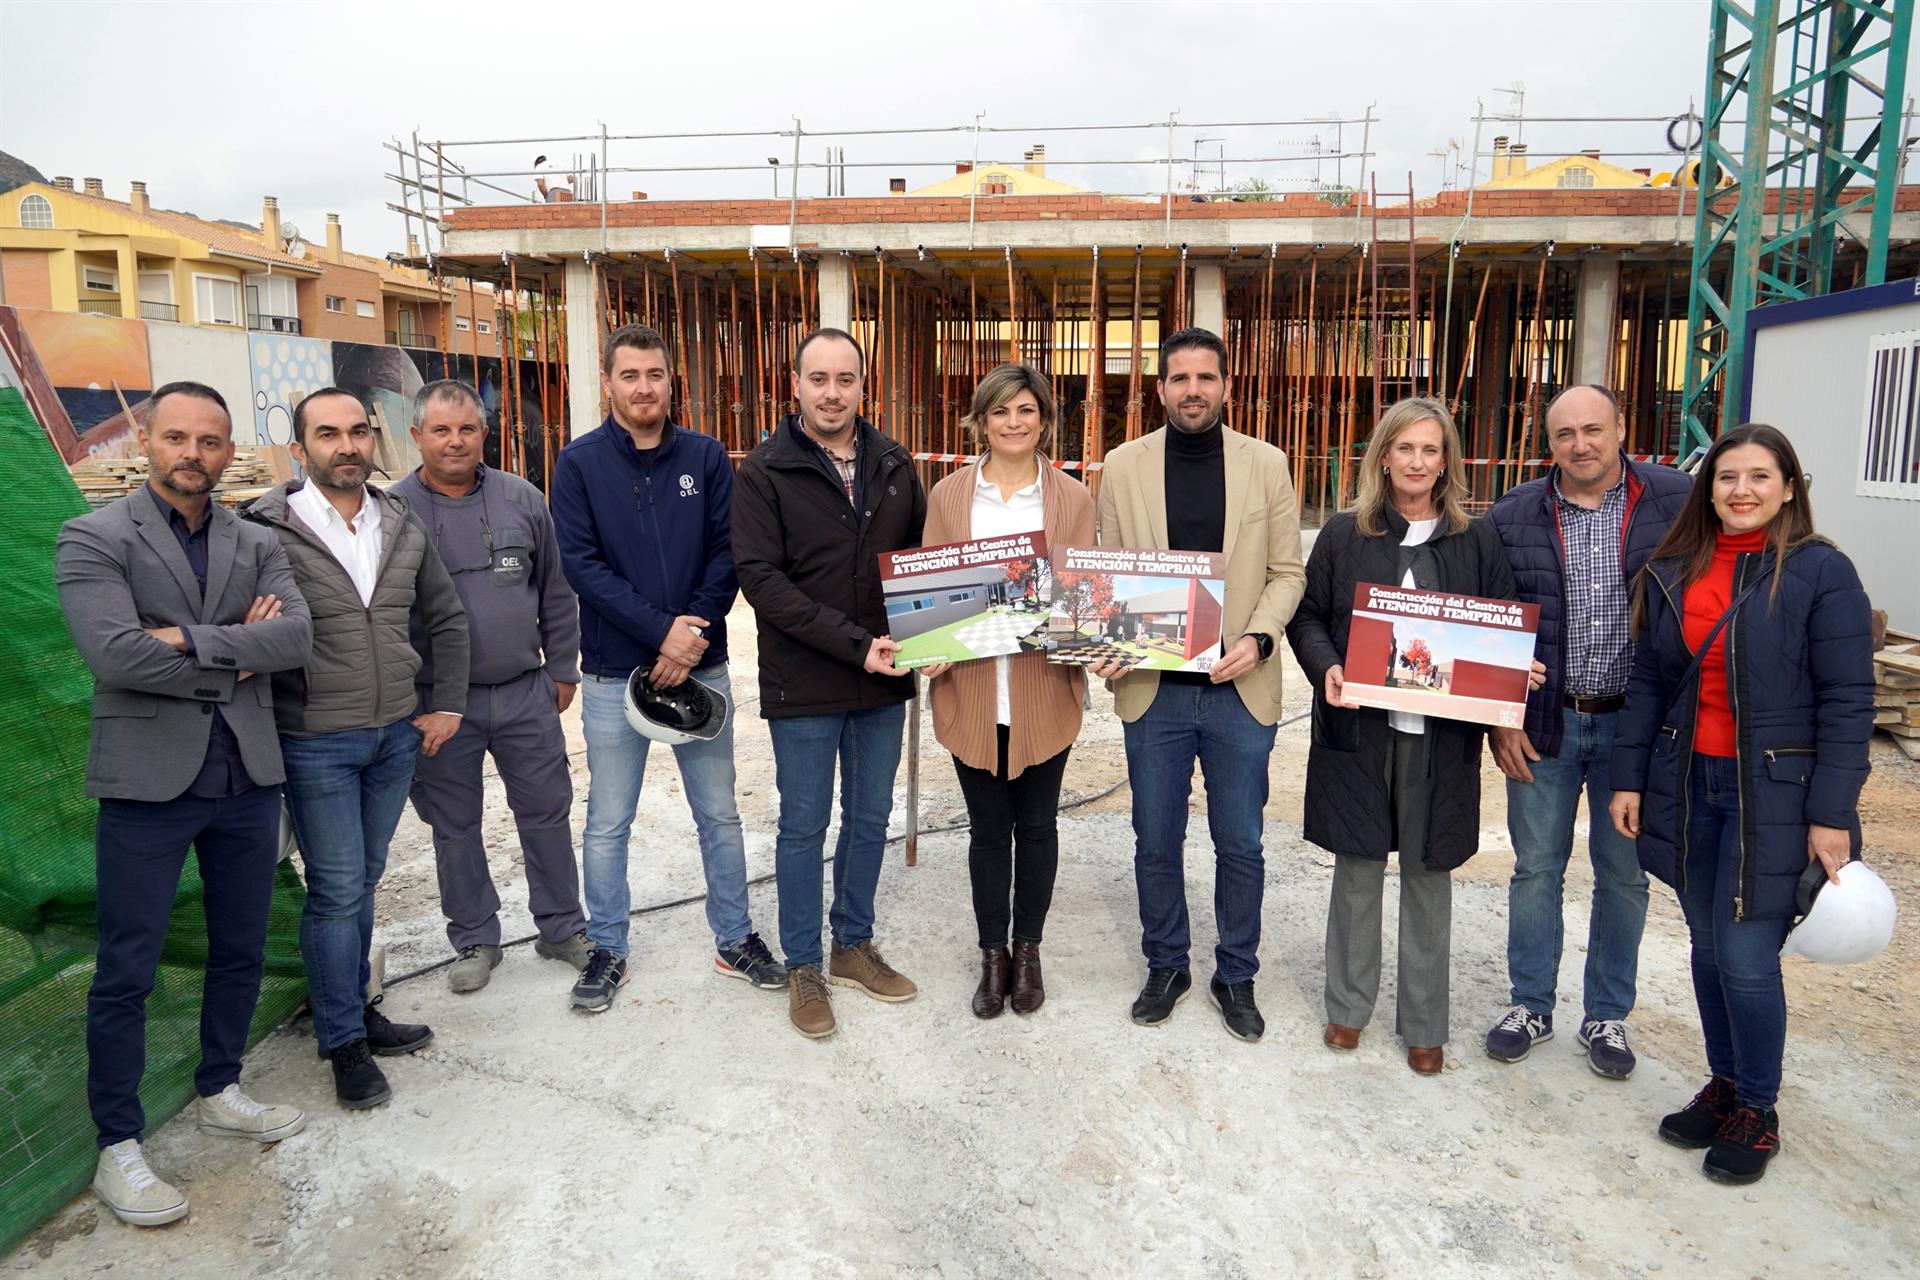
(486, 541)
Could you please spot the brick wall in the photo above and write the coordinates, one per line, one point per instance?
(1631, 202)
(24, 279)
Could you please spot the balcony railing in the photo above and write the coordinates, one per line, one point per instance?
(269, 323)
(158, 310)
(99, 306)
(407, 338)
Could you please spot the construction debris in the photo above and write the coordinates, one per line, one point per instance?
(1896, 691)
(252, 473)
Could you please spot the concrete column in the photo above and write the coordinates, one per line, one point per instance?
(127, 268)
(583, 349)
(1209, 309)
(1593, 321)
(836, 292)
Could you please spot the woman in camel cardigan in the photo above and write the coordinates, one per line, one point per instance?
(1010, 721)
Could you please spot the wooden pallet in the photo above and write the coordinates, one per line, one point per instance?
(102, 480)
(1896, 691)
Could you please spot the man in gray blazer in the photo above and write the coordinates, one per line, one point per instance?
(179, 610)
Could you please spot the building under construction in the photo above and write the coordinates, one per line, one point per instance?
(1334, 301)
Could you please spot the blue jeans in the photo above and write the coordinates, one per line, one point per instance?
(616, 767)
(1736, 964)
(345, 791)
(1209, 723)
(867, 746)
(1540, 817)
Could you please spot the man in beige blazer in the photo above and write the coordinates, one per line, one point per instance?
(1194, 485)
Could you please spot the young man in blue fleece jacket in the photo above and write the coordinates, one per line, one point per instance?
(643, 512)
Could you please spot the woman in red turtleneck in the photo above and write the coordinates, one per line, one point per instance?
(1707, 597)
(1736, 777)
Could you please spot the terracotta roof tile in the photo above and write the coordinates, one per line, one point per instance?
(214, 235)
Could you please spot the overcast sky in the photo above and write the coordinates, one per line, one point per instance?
(216, 105)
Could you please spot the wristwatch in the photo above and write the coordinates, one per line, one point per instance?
(1264, 643)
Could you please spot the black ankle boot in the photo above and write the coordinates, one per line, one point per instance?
(357, 1080)
(1695, 1124)
(386, 1038)
(1740, 1151)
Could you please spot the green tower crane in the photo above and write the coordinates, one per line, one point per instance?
(1798, 170)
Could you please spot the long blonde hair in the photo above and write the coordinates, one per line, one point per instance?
(1449, 487)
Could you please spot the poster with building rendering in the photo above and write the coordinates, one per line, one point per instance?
(1152, 610)
(958, 601)
(1440, 654)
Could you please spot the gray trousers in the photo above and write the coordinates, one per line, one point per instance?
(1426, 918)
(517, 723)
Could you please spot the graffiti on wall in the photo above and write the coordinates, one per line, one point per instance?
(285, 370)
(67, 367)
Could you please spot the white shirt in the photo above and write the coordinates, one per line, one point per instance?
(1418, 531)
(995, 517)
(356, 546)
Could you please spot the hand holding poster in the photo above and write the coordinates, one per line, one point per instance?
(957, 601)
(1153, 610)
(1440, 654)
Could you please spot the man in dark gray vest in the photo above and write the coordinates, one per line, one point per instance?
(179, 610)
(493, 533)
(348, 725)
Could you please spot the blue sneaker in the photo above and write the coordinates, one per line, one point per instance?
(751, 962)
(1605, 1040)
(605, 974)
(1514, 1036)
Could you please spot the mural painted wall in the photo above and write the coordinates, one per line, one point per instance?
(66, 367)
(86, 358)
(217, 357)
(284, 371)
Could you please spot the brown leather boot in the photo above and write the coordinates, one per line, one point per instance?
(860, 966)
(1339, 1037)
(1029, 992)
(990, 997)
(1428, 1062)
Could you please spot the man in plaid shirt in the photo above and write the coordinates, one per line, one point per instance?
(1576, 539)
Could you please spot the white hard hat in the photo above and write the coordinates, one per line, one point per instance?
(691, 711)
(1844, 922)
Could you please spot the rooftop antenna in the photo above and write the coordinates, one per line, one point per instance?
(1518, 92)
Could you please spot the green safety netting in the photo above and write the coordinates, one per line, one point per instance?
(47, 880)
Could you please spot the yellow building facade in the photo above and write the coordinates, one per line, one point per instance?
(77, 251)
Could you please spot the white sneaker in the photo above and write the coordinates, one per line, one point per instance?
(235, 1115)
(123, 1181)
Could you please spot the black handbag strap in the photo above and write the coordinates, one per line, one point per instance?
(1700, 656)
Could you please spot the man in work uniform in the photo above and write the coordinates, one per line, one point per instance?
(492, 531)
(1195, 485)
(1576, 538)
(641, 509)
(179, 609)
(818, 501)
(349, 731)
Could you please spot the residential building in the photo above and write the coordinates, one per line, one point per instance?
(77, 250)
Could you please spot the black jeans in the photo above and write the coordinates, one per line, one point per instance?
(1014, 849)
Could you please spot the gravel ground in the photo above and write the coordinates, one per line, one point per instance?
(689, 1131)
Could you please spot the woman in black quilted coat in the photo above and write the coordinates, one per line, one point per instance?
(1739, 759)
(1380, 781)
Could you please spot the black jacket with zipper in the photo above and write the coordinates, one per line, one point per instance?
(1799, 671)
(1349, 806)
(808, 562)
